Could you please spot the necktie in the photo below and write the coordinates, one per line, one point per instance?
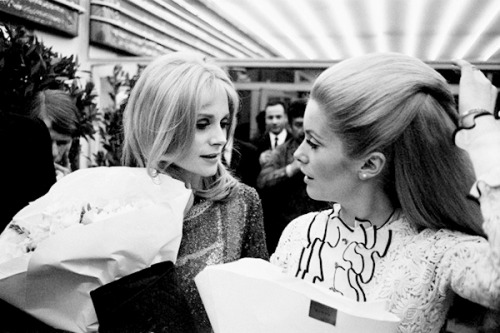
(275, 142)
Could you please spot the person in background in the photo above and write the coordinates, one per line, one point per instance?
(276, 129)
(27, 170)
(241, 156)
(275, 117)
(243, 161)
(282, 179)
(27, 174)
(384, 142)
(260, 120)
(179, 116)
(58, 111)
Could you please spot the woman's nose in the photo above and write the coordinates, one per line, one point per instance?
(219, 137)
(299, 154)
(296, 155)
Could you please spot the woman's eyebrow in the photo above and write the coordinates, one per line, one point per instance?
(209, 115)
(205, 115)
(313, 134)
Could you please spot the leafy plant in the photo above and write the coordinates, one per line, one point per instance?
(111, 131)
(27, 67)
(88, 117)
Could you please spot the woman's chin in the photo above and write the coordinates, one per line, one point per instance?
(314, 195)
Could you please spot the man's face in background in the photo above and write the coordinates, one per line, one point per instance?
(297, 127)
(275, 118)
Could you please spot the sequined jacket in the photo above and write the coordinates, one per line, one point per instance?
(415, 272)
(216, 233)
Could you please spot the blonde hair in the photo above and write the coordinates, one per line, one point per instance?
(160, 116)
(397, 105)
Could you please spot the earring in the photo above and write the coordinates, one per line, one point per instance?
(363, 176)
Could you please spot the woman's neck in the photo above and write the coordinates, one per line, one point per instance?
(376, 208)
(192, 180)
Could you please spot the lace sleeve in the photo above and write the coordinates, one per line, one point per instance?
(291, 242)
(477, 272)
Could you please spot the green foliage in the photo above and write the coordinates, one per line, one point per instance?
(111, 131)
(88, 117)
(27, 67)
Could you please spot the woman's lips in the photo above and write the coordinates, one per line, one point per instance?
(212, 158)
(306, 177)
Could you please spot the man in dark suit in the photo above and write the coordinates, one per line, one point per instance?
(244, 162)
(276, 127)
(276, 121)
(282, 182)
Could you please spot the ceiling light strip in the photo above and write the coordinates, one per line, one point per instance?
(377, 10)
(451, 18)
(171, 44)
(185, 26)
(209, 29)
(491, 13)
(231, 10)
(281, 25)
(489, 51)
(234, 31)
(143, 33)
(414, 25)
(342, 18)
(309, 20)
(182, 34)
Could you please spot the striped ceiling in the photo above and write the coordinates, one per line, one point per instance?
(433, 30)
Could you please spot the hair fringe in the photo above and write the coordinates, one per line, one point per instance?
(159, 118)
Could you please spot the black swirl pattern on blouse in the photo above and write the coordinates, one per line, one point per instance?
(346, 256)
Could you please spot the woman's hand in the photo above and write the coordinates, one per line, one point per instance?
(475, 92)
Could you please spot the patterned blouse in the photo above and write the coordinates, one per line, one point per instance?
(216, 233)
(415, 272)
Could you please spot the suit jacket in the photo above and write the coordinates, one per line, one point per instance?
(245, 162)
(263, 143)
(27, 168)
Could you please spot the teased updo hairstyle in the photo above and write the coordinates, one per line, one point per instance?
(401, 107)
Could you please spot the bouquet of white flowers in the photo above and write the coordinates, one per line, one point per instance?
(93, 227)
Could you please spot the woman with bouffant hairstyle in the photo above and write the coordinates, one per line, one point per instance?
(384, 142)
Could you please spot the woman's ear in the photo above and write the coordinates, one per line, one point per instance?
(372, 166)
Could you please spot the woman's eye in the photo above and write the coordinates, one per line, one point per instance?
(202, 125)
(224, 124)
(311, 144)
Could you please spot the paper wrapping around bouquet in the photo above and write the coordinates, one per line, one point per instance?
(253, 296)
(53, 283)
